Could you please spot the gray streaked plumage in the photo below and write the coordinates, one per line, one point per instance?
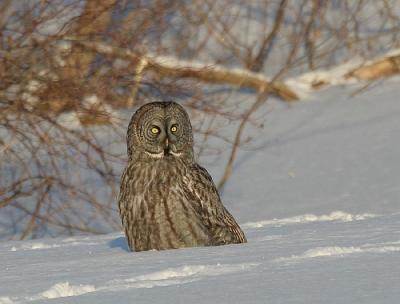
(166, 200)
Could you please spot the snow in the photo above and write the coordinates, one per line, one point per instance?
(307, 262)
(176, 63)
(69, 120)
(335, 151)
(309, 218)
(316, 192)
(339, 251)
(303, 84)
(61, 290)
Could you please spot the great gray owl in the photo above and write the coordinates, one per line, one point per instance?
(166, 199)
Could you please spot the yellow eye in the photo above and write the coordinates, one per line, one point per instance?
(155, 130)
(174, 128)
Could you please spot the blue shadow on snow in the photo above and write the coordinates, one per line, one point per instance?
(119, 243)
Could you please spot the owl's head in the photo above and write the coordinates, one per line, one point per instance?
(160, 129)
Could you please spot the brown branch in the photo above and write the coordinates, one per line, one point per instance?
(376, 69)
(93, 21)
(257, 64)
(172, 67)
(31, 224)
(228, 168)
(5, 12)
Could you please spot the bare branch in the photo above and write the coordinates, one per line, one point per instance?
(173, 67)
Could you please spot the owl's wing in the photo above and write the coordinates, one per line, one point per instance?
(220, 223)
(127, 202)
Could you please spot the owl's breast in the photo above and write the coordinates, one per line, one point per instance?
(160, 183)
(165, 216)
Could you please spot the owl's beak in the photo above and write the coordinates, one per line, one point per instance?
(166, 146)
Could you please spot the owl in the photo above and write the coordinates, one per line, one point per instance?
(166, 199)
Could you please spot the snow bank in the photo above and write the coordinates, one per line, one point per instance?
(41, 245)
(309, 218)
(179, 275)
(5, 300)
(278, 263)
(64, 289)
(339, 251)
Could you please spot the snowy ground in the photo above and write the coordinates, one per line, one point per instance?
(337, 258)
(329, 152)
(319, 200)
